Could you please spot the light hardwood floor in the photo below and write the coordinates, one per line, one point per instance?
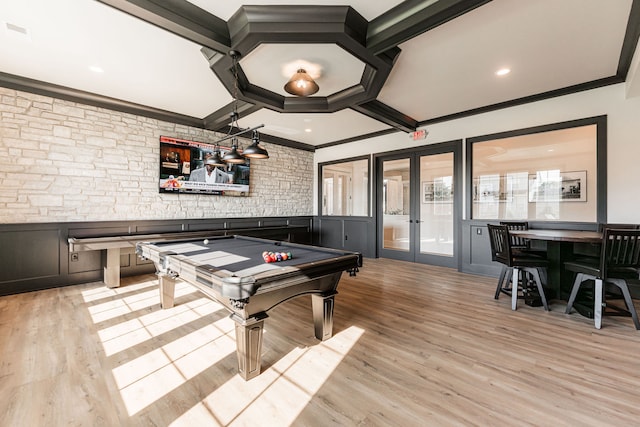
(413, 345)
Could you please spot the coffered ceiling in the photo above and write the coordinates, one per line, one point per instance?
(382, 66)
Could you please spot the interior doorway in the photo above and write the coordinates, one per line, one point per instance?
(418, 204)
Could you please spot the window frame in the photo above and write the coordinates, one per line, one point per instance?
(321, 167)
(601, 160)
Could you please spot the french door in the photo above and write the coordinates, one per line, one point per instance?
(418, 208)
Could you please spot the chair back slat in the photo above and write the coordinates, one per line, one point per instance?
(620, 249)
(602, 226)
(500, 244)
(517, 242)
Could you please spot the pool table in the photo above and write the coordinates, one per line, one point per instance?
(232, 271)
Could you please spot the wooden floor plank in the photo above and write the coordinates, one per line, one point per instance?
(412, 345)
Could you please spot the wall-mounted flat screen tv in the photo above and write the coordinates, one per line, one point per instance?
(183, 170)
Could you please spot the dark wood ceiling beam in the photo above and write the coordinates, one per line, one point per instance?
(252, 26)
(74, 95)
(221, 118)
(387, 115)
(631, 39)
(357, 138)
(284, 142)
(412, 18)
(607, 81)
(181, 18)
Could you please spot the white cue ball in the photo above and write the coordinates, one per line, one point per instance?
(206, 241)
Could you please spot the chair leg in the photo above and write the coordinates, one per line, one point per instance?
(503, 280)
(543, 276)
(514, 288)
(597, 303)
(536, 277)
(503, 274)
(574, 292)
(627, 299)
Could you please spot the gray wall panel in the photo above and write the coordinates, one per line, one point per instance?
(36, 256)
(80, 262)
(29, 254)
(348, 233)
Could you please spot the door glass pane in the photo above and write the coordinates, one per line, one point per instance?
(436, 207)
(396, 204)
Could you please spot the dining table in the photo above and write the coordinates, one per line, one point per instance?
(560, 248)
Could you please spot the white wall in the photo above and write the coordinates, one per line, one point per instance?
(623, 125)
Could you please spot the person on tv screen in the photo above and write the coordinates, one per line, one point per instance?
(209, 173)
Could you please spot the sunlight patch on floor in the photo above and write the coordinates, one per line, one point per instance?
(102, 292)
(129, 333)
(279, 394)
(128, 304)
(150, 377)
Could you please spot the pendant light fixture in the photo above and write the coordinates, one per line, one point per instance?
(255, 150)
(214, 159)
(301, 84)
(236, 155)
(232, 156)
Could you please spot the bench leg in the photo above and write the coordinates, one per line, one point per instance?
(167, 290)
(112, 268)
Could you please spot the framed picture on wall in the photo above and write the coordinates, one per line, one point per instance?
(427, 192)
(556, 186)
(439, 190)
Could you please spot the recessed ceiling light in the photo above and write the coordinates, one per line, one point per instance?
(503, 72)
(307, 130)
(96, 69)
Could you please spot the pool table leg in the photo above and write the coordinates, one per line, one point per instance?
(323, 314)
(167, 290)
(249, 344)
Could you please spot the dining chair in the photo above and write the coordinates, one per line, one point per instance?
(520, 243)
(517, 244)
(591, 253)
(602, 226)
(618, 264)
(518, 262)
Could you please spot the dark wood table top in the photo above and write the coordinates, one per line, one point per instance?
(559, 235)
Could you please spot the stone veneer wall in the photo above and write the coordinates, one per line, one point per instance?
(62, 161)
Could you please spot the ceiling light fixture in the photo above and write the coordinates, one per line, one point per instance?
(236, 156)
(232, 156)
(215, 158)
(255, 150)
(503, 72)
(301, 84)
